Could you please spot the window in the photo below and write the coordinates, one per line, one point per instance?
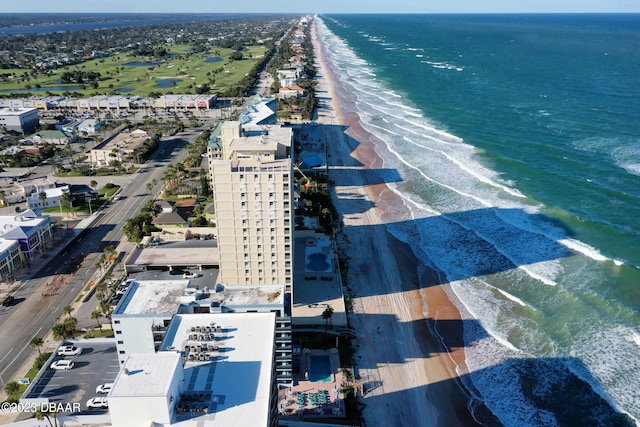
(121, 352)
(118, 332)
(120, 342)
(117, 322)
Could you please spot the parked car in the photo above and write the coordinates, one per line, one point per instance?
(64, 364)
(8, 301)
(104, 388)
(97, 403)
(190, 275)
(69, 350)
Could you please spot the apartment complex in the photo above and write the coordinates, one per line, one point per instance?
(252, 185)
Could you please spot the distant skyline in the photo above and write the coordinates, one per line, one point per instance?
(326, 6)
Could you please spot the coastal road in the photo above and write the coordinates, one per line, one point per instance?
(34, 314)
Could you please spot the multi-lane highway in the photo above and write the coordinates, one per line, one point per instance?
(40, 300)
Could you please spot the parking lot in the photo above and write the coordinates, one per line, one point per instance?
(96, 365)
(207, 277)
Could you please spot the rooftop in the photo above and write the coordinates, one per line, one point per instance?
(152, 297)
(245, 295)
(238, 374)
(15, 111)
(27, 218)
(146, 375)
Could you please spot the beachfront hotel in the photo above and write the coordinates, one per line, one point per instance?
(252, 187)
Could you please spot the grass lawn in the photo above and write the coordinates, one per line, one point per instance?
(185, 72)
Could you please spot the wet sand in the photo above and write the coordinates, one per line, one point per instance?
(410, 373)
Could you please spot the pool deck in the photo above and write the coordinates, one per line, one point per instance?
(289, 400)
(314, 291)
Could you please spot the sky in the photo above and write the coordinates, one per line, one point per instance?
(322, 6)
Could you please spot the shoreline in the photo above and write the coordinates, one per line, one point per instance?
(412, 379)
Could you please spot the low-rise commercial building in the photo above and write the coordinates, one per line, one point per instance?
(21, 120)
(118, 148)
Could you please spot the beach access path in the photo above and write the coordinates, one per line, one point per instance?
(409, 379)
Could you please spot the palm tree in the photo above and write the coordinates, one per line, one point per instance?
(95, 315)
(37, 342)
(42, 196)
(68, 310)
(101, 291)
(41, 415)
(12, 388)
(66, 200)
(106, 309)
(327, 314)
(93, 184)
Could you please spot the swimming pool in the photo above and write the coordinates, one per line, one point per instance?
(320, 369)
(317, 262)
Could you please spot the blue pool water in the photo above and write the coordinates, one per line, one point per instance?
(317, 262)
(312, 161)
(319, 369)
(214, 59)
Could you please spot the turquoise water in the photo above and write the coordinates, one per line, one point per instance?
(319, 369)
(517, 141)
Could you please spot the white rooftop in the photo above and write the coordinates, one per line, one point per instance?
(148, 375)
(27, 218)
(153, 297)
(239, 374)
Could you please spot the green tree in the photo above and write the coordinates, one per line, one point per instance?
(68, 310)
(66, 200)
(66, 329)
(41, 415)
(93, 184)
(42, 196)
(37, 342)
(12, 388)
(95, 315)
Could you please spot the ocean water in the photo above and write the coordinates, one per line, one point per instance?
(517, 143)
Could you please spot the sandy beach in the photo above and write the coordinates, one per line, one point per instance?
(410, 379)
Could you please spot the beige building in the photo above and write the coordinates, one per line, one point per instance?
(118, 148)
(252, 187)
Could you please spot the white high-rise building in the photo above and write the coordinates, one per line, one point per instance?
(252, 184)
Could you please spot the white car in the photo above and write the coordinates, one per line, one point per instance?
(69, 350)
(104, 388)
(190, 275)
(97, 403)
(62, 365)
